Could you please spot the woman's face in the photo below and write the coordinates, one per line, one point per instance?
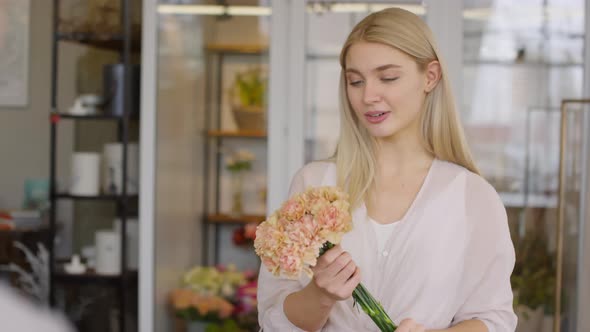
(386, 89)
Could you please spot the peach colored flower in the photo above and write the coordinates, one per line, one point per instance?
(290, 262)
(224, 308)
(181, 298)
(314, 202)
(332, 218)
(293, 209)
(332, 195)
(289, 241)
(202, 304)
(273, 219)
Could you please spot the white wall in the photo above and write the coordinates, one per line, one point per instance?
(25, 132)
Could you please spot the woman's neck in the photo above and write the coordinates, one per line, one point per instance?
(401, 155)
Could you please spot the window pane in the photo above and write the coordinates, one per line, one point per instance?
(520, 61)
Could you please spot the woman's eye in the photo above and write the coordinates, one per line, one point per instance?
(355, 82)
(389, 79)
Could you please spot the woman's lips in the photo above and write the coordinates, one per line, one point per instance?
(375, 117)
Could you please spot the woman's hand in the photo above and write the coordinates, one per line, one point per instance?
(409, 325)
(335, 275)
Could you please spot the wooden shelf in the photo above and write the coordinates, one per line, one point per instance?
(237, 48)
(93, 198)
(19, 230)
(107, 42)
(87, 117)
(518, 200)
(227, 219)
(60, 276)
(240, 134)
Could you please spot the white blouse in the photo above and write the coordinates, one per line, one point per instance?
(383, 233)
(449, 259)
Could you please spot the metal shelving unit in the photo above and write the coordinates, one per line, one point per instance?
(125, 45)
(213, 218)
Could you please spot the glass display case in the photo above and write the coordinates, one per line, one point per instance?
(520, 61)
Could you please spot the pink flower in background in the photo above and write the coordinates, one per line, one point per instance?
(250, 230)
(247, 301)
(289, 241)
(245, 235)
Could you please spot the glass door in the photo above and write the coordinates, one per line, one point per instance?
(205, 87)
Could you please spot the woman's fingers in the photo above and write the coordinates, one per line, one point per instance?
(409, 325)
(345, 273)
(328, 257)
(339, 264)
(336, 274)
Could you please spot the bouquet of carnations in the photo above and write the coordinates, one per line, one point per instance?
(293, 237)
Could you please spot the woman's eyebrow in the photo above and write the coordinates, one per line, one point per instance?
(352, 70)
(385, 67)
(378, 69)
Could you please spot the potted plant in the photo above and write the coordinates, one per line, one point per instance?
(533, 282)
(248, 98)
(237, 163)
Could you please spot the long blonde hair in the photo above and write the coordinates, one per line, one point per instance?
(441, 129)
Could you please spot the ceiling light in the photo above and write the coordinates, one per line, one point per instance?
(349, 8)
(249, 10)
(214, 10)
(191, 9)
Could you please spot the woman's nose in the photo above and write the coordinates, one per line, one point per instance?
(371, 93)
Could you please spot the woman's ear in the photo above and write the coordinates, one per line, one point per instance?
(433, 75)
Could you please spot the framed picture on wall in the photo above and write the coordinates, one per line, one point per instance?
(14, 52)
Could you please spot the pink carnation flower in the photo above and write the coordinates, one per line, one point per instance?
(289, 241)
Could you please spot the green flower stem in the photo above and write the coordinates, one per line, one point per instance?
(368, 303)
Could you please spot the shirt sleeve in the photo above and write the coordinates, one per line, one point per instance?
(490, 260)
(273, 290)
(19, 314)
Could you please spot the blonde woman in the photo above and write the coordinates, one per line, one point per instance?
(430, 238)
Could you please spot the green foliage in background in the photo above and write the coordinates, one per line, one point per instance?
(533, 279)
(250, 88)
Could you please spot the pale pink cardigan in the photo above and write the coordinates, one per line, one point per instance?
(450, 258)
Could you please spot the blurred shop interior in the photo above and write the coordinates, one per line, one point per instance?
(179, 123)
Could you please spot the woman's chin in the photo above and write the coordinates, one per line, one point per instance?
(380, 133)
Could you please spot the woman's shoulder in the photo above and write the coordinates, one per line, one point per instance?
(476, 186)
(313, 173)
(483, 204)
(318, 166)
